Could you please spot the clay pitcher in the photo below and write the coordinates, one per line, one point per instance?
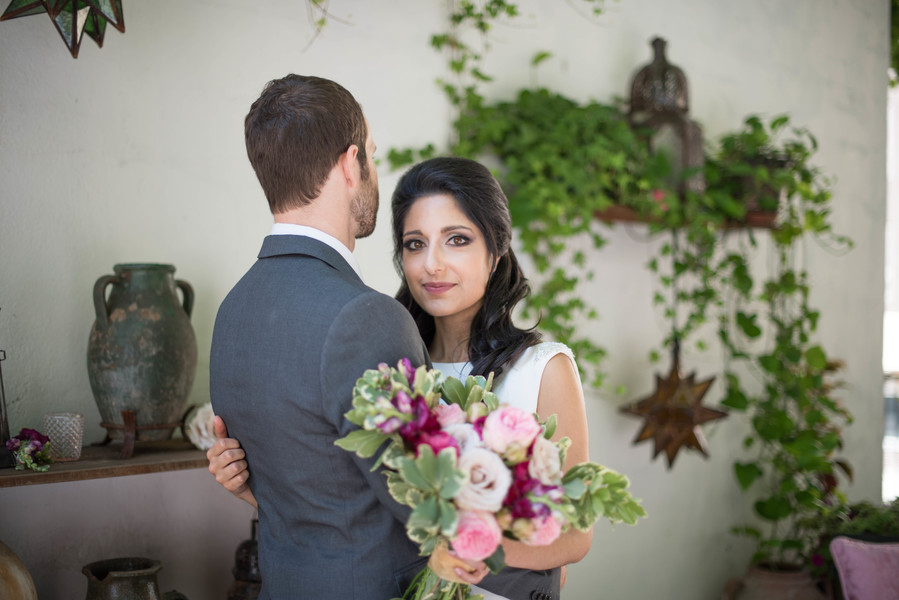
(125, 579)
(142, 353)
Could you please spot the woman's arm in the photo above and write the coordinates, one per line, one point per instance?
(227, 462)
(560, 394)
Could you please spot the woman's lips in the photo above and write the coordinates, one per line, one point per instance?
(436, 288)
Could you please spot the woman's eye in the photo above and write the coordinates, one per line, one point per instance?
(458, 240)
(413, 245)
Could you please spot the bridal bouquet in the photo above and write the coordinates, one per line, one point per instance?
(474, 471)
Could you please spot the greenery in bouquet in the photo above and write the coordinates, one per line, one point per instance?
(31, 449)
(474, 471)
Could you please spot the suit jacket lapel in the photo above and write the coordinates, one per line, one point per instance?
(282, 245)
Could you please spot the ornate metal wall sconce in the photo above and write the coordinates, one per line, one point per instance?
(659, 105)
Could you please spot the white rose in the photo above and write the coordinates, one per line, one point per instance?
(200, 428)
(545, 465)
(488, 480)
(466, 435)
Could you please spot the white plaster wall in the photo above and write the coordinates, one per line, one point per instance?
(134, 153)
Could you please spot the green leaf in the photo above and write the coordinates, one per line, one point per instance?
(425, 516)
(747, 325)
(454, 392)
(774, 508)
(409, 469)
(496, 561)
(539, 58)
(816, 358)
(747, 473)
(363, 443)
(550, 427)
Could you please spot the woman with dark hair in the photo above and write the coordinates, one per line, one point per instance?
(452, 237)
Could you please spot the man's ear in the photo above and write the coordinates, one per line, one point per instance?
(349, 166)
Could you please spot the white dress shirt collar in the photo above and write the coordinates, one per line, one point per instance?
(318, 234)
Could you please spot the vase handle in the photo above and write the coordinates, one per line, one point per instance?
(188, 292)
(100, 299)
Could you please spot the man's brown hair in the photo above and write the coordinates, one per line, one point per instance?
(295, 131)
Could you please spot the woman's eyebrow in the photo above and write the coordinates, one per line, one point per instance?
(446, 229)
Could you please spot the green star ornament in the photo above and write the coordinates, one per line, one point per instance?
(73, 18)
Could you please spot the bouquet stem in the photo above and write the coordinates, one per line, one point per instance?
(428, 586)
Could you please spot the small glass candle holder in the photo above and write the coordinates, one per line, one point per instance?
(65, 431)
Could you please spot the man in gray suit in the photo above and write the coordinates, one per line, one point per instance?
(292, 337)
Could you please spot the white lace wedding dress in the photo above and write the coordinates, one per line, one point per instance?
(518, 387)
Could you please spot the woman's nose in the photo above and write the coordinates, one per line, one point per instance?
(434, 260)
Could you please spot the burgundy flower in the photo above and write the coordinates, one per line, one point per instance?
(437, 441)
(479, 425)
(31, 434)
(817, 560)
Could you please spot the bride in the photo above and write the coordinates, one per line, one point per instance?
(461, 281)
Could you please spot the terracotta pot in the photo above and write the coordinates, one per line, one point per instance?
(15, 580)
(767, 584)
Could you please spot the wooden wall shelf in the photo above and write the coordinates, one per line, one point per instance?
(98, 462)
(623, 214)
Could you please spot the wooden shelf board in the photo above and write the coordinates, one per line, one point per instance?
(98, 462)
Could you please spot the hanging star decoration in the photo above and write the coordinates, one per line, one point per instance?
(674, 412)
(72, 18)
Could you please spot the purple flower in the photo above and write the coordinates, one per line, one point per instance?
(421, 416)
(390, 425)
(408, 370)
(817, 560)
(403, 402)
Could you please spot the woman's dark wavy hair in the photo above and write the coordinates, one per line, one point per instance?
(494, 341)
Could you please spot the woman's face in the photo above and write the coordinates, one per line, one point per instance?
(445, 258)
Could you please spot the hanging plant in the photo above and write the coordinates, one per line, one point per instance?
(561, 162)
(796, 421)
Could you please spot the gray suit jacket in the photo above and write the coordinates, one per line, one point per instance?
(290, 341)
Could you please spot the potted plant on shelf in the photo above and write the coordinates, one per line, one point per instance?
(868, 521)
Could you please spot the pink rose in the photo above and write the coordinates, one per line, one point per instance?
(478, 536)
(547, 530)
(449, 414)
(510, 430)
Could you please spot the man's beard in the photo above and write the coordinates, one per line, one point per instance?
(364, 208)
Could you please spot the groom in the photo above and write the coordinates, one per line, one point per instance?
(292, 337)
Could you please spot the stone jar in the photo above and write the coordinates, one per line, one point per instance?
(142, 353)
(125, 579)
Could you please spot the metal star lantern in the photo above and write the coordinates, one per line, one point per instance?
(73, 18)
(673, 413)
